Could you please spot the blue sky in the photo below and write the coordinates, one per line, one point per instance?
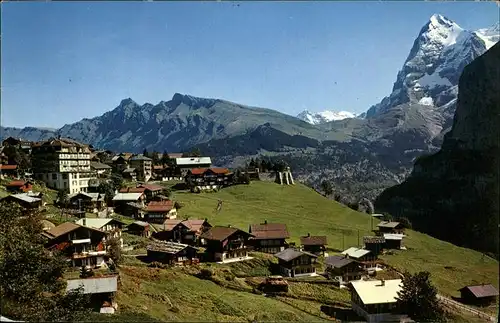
(64, 61)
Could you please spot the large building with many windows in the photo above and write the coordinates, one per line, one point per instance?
(62, 164)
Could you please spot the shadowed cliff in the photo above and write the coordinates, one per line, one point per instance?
(454, 194)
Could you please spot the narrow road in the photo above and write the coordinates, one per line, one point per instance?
(465, 308)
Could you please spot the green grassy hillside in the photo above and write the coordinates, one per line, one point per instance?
(305, 211)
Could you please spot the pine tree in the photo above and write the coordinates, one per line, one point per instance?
(418, 298)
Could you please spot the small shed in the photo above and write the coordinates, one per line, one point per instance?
(375, 244)
(19, 186)
(172, 253)
(479, 294)
(393, 241)
(140, 228)
(390, 227)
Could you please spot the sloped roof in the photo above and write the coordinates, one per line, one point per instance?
(92, 196)
(269, 231)
(24, 197)
(16, 183)
(94, 285)
(168, 247)
(129, 170)
(313, 240)
(132, 190)
(96, 223)
(127, 196)
(140, 223)
(170, 224)
(482, 290)
(292, 253)
(393, 236)
(188, 161)
(338, 261)
(61, 229)
(356, 253)
(151, 187)
(220, 233)
(160, 206)
(387, 224)
(373, 239)
(194, 224)
(373, 292)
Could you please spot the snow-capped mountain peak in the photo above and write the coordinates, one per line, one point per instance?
(490, 36)
(324, 116)
(432, 69)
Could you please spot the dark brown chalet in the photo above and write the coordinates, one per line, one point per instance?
(225, 244)
(83, 246)
(314, 244)
(140, 228)
(375, 244)
(295, 263)
(343, 269)
(183, 231)
(172, 253)
(269, 237)
(159, 211)
(389, 227)
(151, 190)
(479, 294)
(209, 176)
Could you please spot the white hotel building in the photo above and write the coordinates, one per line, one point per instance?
(62, 164)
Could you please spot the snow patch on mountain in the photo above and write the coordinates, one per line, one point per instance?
(324, 116)
(426, 101)
(490, 36)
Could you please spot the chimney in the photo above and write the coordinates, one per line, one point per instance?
(308, 235)
(265, 221)
(382, 282)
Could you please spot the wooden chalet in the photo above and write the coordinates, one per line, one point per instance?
(83, 246)
(159, 211)
(269, 237)
(363, 256)
(184, 164)
(24, 200)
(140, 228)
(484, 294)
(129, 204)
(296, 263)
(132, 190)
(19, 186)
(166, 172)
(224, 244)
(209, 177)
(375, 244)
(100, 169)
(129, 174)
(183, 231)
(112, 227)
(389, 227)
(89, 202)
(172, 253)
(375, 300)
(314, 244)
(9, 171)
(393, 241)
(343, 269)
(151, 190)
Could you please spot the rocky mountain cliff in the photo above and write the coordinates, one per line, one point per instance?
(454, 194)
(430, 74)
